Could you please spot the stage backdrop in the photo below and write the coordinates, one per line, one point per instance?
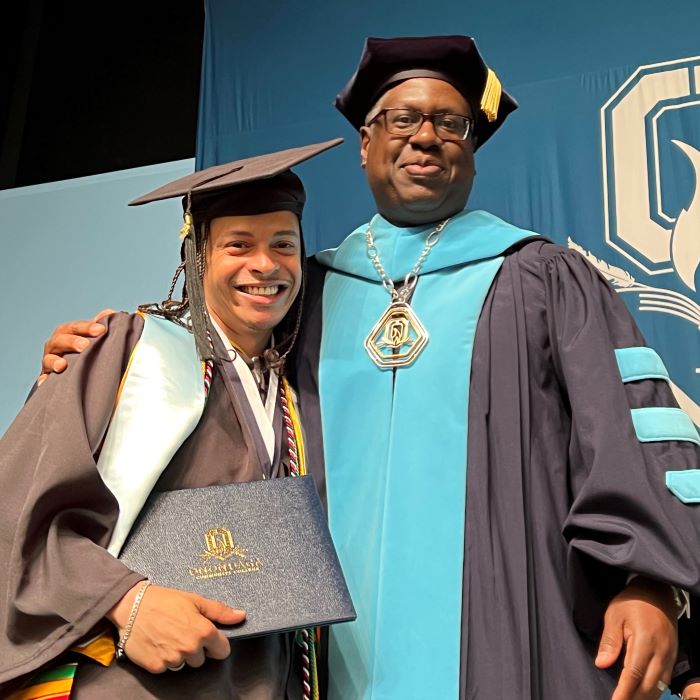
(72, 248)
(601, 156)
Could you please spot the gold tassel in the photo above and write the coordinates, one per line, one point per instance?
(491, 97)
(187, 226)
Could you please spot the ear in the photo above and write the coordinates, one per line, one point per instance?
(365, 138)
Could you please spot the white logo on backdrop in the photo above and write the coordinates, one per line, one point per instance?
(638, 223)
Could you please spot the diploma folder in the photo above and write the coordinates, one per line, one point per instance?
(262, 546)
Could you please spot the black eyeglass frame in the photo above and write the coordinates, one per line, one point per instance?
(430, 117)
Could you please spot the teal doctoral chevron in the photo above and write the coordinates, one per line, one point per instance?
(685, 484)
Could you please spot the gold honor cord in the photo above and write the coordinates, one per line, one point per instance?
(398, 337)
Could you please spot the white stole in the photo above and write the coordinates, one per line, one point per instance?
(161, 400)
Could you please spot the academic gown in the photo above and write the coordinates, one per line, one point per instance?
(562, 499)
(58, 580)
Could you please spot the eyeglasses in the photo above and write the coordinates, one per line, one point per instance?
(407, 122)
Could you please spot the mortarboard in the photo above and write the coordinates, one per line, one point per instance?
(255, 185)
(455, 59)
(251, 186)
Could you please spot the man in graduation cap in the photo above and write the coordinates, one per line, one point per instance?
(509, 479)
(179, 395)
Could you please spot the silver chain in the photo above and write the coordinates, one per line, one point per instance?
(411, 279)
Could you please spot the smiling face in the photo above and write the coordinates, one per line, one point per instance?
(418, 179)
(252, 275)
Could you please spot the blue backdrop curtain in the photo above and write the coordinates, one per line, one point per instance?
(602, 154)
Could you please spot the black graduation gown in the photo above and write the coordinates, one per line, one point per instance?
(58, 580)
(563, 501)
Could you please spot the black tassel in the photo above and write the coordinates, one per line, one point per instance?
(195, 293)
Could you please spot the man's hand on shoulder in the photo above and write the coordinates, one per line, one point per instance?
(643, 619)
(69, 337)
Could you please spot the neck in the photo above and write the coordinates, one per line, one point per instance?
(412, 224)
(251, 344)
(414, 220)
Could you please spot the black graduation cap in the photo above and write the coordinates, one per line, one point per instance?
(455, 59)
(256, 185)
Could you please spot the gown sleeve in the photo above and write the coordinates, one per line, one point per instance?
(623, 518)
(57, 579)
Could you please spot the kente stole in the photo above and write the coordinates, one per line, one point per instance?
(395, 450)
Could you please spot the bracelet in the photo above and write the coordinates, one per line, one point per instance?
(682, 601)
(120, 653)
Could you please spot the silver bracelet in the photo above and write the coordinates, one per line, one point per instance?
(120, 653)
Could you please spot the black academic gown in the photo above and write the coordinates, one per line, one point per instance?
(563, 501)
(58, 580)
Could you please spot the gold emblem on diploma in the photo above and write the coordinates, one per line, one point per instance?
(397, 338)
(221, 547)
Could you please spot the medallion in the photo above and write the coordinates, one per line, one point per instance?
(397, 338)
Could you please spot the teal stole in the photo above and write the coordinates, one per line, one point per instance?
(395, 451)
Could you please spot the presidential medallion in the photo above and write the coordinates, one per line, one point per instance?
(397, 338)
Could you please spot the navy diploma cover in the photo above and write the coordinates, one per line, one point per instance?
(263, 546)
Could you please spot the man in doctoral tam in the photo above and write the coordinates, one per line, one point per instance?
(486, 556)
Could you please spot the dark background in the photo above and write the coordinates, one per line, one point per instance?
(90, 87)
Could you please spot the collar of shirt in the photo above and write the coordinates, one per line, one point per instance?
(263, 405)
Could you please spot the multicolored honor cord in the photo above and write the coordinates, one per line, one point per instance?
(306, 638)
